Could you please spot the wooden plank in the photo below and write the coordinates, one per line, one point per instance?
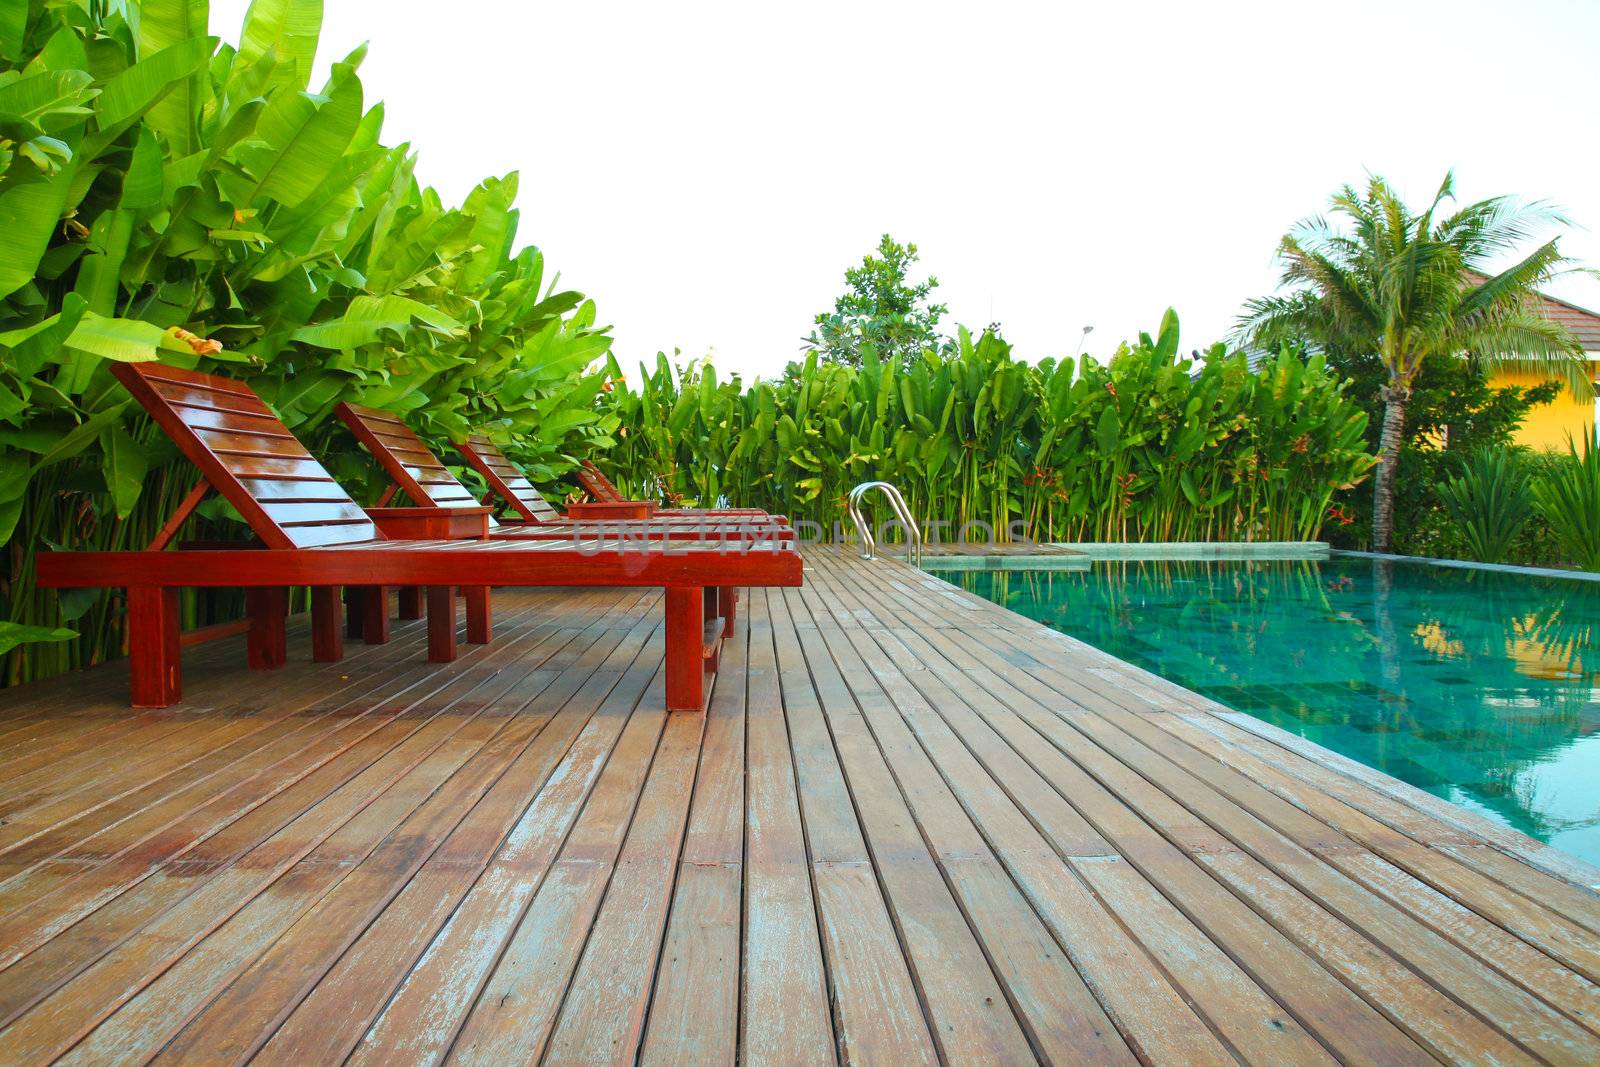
(382, 861)
(147, 803)
(305, 813)
(694, 1010)
(1293, 972)
(516, 1007)
(1010, 883)
(418, 799)
(65, 1017)
(1516, 915)
(239, 1021)
(1157, 1018)
(422, 1018)
(1514, 1012)
(311, 905)
(1298, 779)
(334, 1014)
(1524, 851)
(784, 998)
(55, 893)
(602, 1017)
(68, 713)
(878, 1010)
(971, 1016)
(1494, 946)
(1432, 877)
(133, 786)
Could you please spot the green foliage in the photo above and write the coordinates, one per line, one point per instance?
(882, 310)
(1490, 500)
(164, 196)
(1147, 446)
(1452, 404)
(1569, 499)
(1453, 413)
(1404, 286)
(14, 634)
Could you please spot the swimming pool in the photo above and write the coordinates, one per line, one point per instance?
(1481, 687)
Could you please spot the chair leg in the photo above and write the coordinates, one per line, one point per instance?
(411, 602)
(267, 643)
(375, 614)
(686, 679)
(153, 647)
(711, 611)
(480, 621)
(327, 638)
(441, 623)
(728, 608)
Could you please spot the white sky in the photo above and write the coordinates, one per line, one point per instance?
(707, 171)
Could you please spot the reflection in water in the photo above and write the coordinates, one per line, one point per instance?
(1483, 688)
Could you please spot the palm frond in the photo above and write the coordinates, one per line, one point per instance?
(1524, 340)
(1373, 276)
(1513, 284)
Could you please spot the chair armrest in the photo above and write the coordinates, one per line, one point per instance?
(431, 524)
(611, 510)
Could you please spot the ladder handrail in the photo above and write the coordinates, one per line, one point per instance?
(902, 512)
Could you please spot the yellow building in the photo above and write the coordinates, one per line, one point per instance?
(1567, 417)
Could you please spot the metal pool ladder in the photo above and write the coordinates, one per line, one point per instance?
(903, 513)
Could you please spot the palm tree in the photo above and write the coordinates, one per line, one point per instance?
(1407, 286)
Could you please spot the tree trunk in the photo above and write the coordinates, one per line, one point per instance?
(1394, 426)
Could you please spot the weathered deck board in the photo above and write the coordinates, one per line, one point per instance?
(911, 827)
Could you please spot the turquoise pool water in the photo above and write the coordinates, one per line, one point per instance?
(1480, 687)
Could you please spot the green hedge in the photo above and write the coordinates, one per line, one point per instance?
(164, 196)
(1149, 446)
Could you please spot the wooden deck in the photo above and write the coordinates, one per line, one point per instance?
(912, 827)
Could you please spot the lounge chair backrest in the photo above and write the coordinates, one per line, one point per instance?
(595, 483)
(406, 458)
(249, 456)
(506, 480)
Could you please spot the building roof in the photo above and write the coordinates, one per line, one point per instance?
(1584, 324)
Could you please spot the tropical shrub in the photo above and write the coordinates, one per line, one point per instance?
(1490, 501)
(1453, 412)
(1148, 446)
(164, 196)
(1568, 497)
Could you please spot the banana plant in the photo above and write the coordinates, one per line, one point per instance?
(167, 196)
(1148, 445)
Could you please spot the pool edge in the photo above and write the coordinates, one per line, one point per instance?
(1544, 857)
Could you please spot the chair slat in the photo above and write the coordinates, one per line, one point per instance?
(506, 480)
(256, 466)
(251, 444)
(342, 535)
(232, 436)
(295, 512)
(234, 421)
(405, 457)
(181, 394)
(298, 490)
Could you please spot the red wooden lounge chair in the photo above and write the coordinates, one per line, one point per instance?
(312, 533)
(601, 489)
(415, 470)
